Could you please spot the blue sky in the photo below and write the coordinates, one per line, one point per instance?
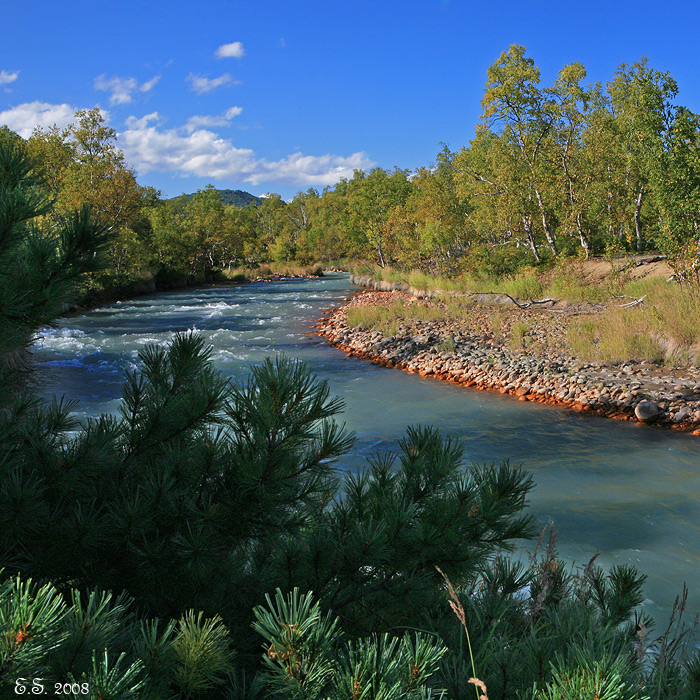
(280, 96)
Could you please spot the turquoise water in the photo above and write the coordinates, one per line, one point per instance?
(630, 492)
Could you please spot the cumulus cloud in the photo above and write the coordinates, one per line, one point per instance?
(122, 89)
(25, 117)
(298, 169)
(200, 84)
(234, 50)
(7, 77)
(224, 119)
(143, 123)
(201, 152)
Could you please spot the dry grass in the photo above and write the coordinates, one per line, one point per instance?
(458, 610)
(387, 318)
(570, 279)
(519, 335)
(665, 327)
(380, 318)
(617, 336)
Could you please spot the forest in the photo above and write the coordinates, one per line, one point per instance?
(206, 542)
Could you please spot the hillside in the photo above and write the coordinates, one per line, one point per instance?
(237, 198)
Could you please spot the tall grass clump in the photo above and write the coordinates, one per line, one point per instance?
(518, 335)
(525, 285)
(387, 318)
(457, 308)
(677, 313)
(379, 318)
(620, 335)
(421, 280)
(239, 274)
(248, 274)
(575, 289)
(292, 270)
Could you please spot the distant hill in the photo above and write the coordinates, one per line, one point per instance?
(238, 198)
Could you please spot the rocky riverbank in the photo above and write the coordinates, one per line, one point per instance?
(470, 352)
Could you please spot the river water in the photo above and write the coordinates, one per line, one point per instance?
(627, 491)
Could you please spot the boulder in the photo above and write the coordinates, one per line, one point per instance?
(646, 411)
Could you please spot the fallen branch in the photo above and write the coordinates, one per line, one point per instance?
(632, 303)
(524, 305)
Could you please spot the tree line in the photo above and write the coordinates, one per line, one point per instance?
(570, 169)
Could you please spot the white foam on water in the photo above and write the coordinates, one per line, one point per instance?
(224, 335)
(228, 356)
(62, 332)
(66, 339)
(218, 309)
(150, 340)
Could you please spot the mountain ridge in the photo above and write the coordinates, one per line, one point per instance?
(236, 198)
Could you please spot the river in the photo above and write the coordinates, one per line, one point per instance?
(628, 491)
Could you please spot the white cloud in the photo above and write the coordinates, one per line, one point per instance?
(6, 77)
(25, 117)
(134, 123)
(150, 84)
(122, 89)
(234, 50)
(203, 153)
(298, 169)
(232, 112)
(200, 84)
(224, 119)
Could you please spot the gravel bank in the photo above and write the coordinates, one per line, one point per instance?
(471, 353)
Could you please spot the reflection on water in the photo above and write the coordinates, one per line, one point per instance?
(630, 491)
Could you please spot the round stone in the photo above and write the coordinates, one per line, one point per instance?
(681, 415)
(646, 411)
